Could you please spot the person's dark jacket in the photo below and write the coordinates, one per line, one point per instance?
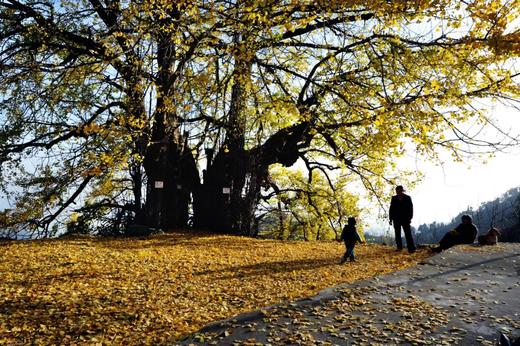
(350, 235)
(467, 232)
(401, 210)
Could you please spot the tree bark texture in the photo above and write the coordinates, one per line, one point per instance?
(172, 176)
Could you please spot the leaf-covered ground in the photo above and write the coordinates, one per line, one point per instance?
(132, 291)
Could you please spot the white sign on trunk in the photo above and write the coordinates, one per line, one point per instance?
(226, 190)
(159, 184)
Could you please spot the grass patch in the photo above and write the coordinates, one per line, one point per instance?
(131, 291)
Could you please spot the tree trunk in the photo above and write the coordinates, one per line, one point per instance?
(169, 164)
(229, 195)
(212, 199)
(220, 200)
(137, 186)
(228, 198)
(172, 176)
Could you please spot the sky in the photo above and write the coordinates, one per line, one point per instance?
(447, 190)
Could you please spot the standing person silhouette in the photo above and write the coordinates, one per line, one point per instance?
(401, 214)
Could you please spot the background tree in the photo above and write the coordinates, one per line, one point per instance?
(306, 207)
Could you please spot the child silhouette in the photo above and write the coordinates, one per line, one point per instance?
(350, 236)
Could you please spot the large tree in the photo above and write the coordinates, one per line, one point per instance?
(105, 100)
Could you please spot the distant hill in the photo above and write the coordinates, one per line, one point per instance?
(502, 213)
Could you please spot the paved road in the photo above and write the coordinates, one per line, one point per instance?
(463, 296)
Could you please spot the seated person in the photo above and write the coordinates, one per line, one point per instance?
(465, 233)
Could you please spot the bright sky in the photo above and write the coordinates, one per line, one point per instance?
(446, 191)
(449, 189)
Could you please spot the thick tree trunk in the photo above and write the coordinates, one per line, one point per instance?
(172, 176)
(220, 200)
(212, 199)
(169, 164)
(228, 198)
